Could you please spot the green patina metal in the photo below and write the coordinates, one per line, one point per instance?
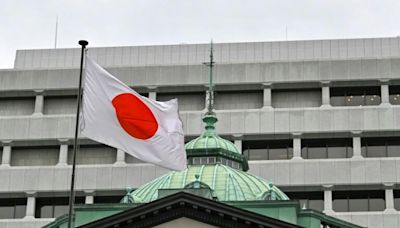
(227, 184)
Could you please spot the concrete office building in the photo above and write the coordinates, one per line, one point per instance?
(320, 119)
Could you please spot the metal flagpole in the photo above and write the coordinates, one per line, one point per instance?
(83, 43)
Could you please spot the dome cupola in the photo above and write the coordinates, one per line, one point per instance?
(209, 148)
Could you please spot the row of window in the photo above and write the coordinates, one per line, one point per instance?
(213, 160)
(49, 155)
(252, 149)
(342, 201)
(321, 148)
(46, 207)
(253, 99)
(346, 201)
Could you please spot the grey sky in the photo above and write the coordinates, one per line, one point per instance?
(30, 24)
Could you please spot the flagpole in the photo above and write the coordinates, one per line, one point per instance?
(83, 43)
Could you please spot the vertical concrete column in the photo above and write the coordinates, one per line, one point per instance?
(152, 92)
(389, 197)
(326, 97)
(328, 209)
(63, 153)
(120, 157)
(89, 196)
(296, 145)
(267, 95)
(385, 92)
(30, 205)
(357, 145)
(6, 157)
(237, 140)
(39, 102)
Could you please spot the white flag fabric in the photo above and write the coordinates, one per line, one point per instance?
(116, 115)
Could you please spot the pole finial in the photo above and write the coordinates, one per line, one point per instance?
(83, 43)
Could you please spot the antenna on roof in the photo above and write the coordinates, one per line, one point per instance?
(211, 85)
(55, 37)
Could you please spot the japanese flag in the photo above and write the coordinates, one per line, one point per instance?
(116, 115)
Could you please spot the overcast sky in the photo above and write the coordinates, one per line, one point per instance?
(30, 24)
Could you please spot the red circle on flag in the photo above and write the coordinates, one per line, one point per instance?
(134, 116)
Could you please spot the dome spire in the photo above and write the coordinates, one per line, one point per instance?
(210, 118)
(209, 148)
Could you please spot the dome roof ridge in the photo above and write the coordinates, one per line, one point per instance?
(226, 184)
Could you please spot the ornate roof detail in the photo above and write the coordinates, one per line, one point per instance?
(228, 184)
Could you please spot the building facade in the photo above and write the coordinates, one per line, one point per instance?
(320, 119)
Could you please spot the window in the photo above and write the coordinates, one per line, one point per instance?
(380, 147)
(35, 156)
(355, 96)
(268, 150)
(17, 106)
(187, 101)
(54, 207)
(202, 160)
(327, 148)
(11, 208)
(394, 94)
(309, 200)
(59, 105)
(238, 100)
(349, 201)
(396, 194)
(296, 98)
(94, 154)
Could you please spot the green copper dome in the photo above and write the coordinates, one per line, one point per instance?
(226, 183)
(213, 148)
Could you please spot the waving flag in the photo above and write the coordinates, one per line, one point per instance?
(116, 115)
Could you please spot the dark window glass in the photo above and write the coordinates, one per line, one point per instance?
(393, 150)
(311, 200)
(355, 96)
(268, 150)
(394, 99)
(338, 101)
(394, 94)
(256, 154)
(358, 204)
(327, 148)
(380, 147)
(20, 211)
(340, 205)
(348, 201)
(376, 151)
(376, 204)
(354, 100)
(372, 100)
(54, 207)
(11, 208)
(316, 152)
(60, 210)
(396, 194)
